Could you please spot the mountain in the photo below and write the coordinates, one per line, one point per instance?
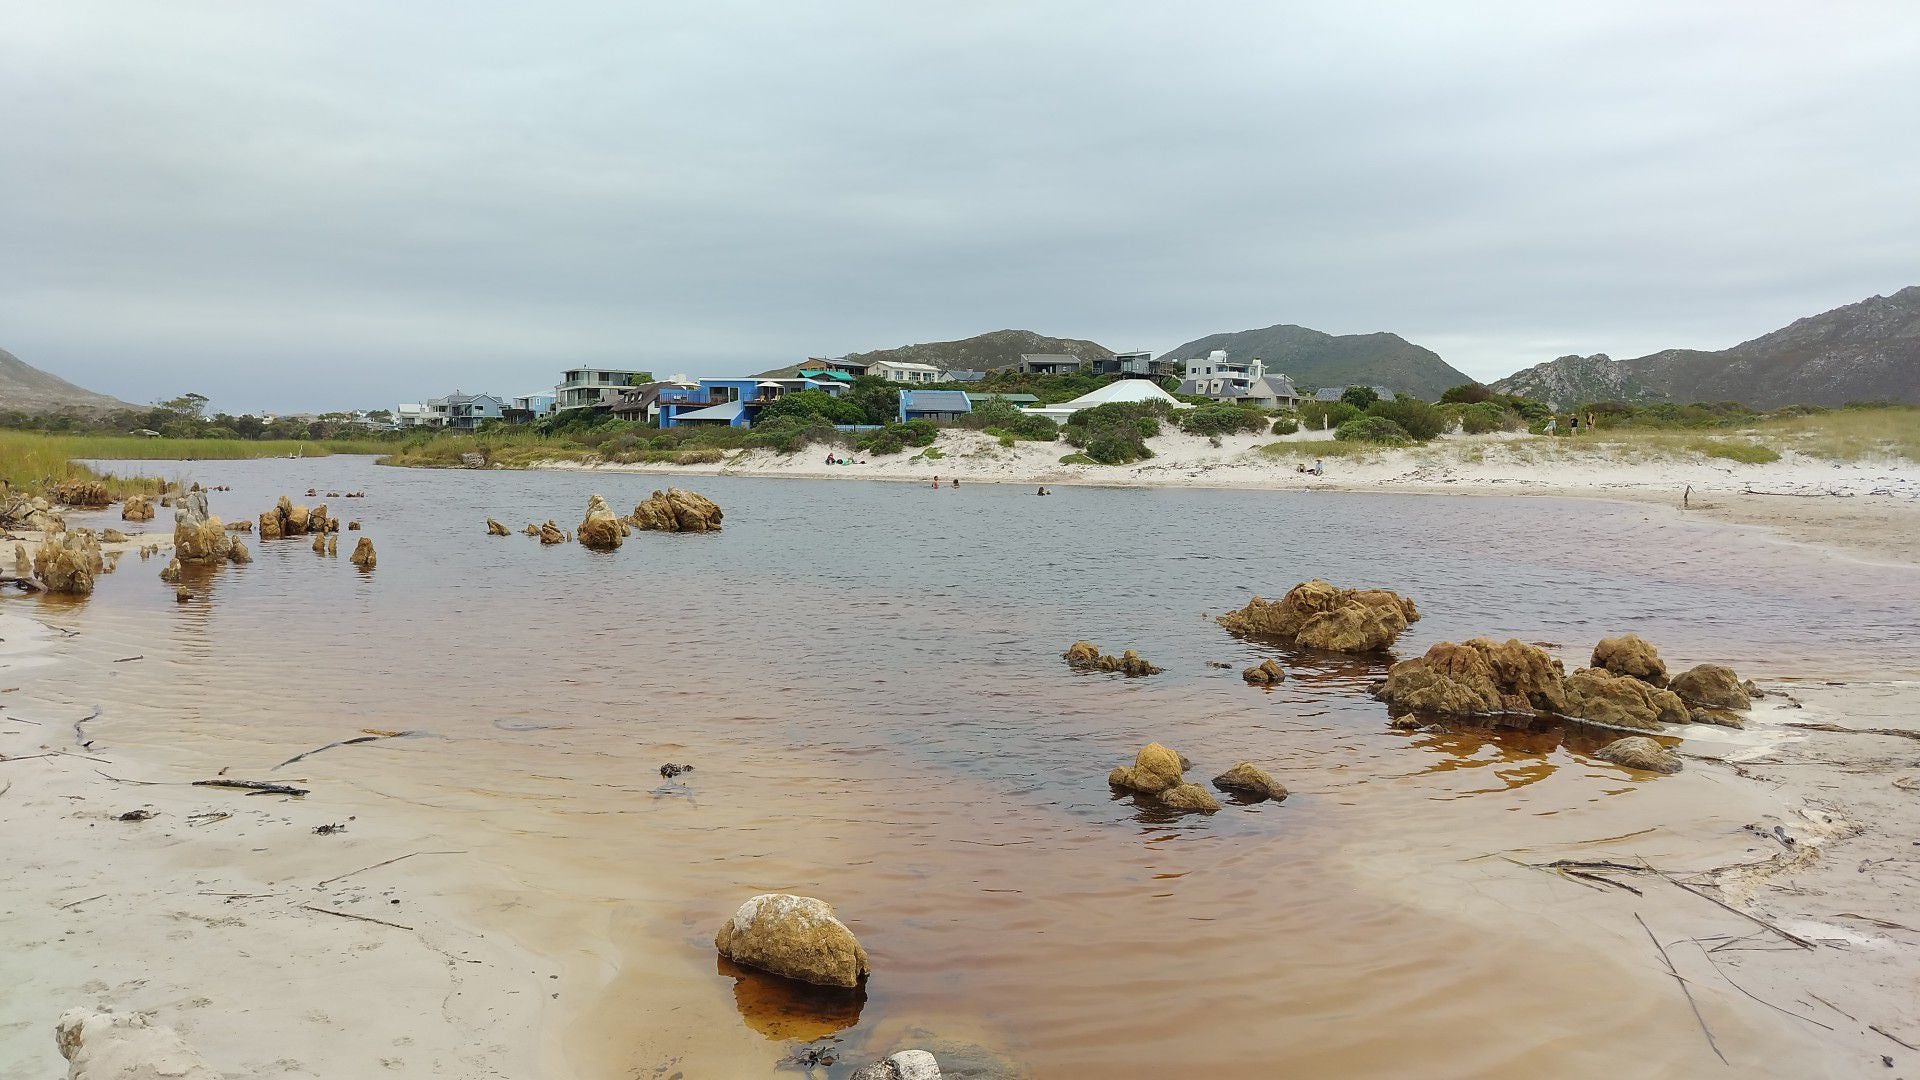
(983, 352)
(27, 389)
(1869, 351)
(1313, 359)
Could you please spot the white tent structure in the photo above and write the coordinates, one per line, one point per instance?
(1120, 390)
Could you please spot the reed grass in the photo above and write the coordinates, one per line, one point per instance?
(31, 459)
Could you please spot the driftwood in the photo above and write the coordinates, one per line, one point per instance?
(358, 918)
(254, 787)
(1684, 989)
(355, 741)
(388, 862)
(1592, 869)
(1898, 733)
(1801, 494)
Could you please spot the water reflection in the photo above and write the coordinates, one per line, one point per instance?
(784, 1010)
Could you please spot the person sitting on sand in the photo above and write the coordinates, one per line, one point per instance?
(1319, 467)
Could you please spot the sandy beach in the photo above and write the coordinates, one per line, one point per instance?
(1870, 508)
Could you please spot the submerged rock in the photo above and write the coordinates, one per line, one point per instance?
(363, 556)
(1265, 673)
(237, 551)
(353, 526)
(1619, 701)
(242, 525)
(1156, 771)
(1250, 781)
(494, 528)
(1086, 656)
(599, 530)
(551, 534)
(1700, 714)
(675, 510)
(170, 573)
(1317, 615)
(137, 508)
(1640, 752)
(1630, 655)
(109, 1046)
(1711, 686)
(797, 937)
(112, 536)
(905, 1065)
(1479, 678)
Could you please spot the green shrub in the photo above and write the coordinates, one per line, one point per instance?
(895, 437)
(1077, 459)
(1471, 393)
(1418, 419)
(1002, 417)
(1484, 416)
(1319, 415)
(812, 404)
(1373, 429)
(1117, 433)
(1218, 418)
(1360, 397)
(1286, 425)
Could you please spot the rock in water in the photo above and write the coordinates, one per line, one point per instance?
(551, 534)
(198, 537)
(317, 520)
(242, 525)
(1618, 701)
(494, 528)
(67, 561)
(905, 1065)
(137, 508)
(1265, 673)
(270, 525)
(674, 510)
(353, 526)
(1631, 656)
(1250, 781)
(333, 544)
(1082, 654)
(108, 1046)
(112, 536)
(237, 551)
(87, 494)
(797, 937)
(1317, 615)
(1640, 752)
(170, 573)
(599, 530)
(1156, 771)
(362, 556)
(1085, 656)
(1480, 678)
(319, 544)
(1711, 686)
(22, 566)
(293, 519)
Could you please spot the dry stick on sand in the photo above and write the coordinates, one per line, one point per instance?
(80, 736)
(389, 862)
(357, 740)
(1898, 733)
(360, 918)
(1891, 1035)
(1722, 973)
(1684, 989)
(254, 787)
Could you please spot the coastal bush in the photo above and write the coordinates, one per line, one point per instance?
(1002, 417)
(1373, 429)
(1418, 419)
(1217, 418)
(1077, 459)
(895, 437)
(1286, 425)
(1360, 397)
(1481, 417)
(804, 405)
(1321, 415)
(1749, 453)
(1469, 393)
(1116, 433)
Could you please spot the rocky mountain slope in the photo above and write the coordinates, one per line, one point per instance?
(26, 389)
(982, 352)
(1315, 359)
(1869, 351)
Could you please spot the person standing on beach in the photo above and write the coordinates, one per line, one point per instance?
(1553, 425)
(1573, 426)
(1591, 427)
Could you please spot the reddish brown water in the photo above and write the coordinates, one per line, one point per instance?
(866, 678)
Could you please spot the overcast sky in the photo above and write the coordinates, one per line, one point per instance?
(295, 205)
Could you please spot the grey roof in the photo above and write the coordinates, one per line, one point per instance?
(935, 401)
(1049, 358)
(1017, 399)
(1273, 386)
(965, 375)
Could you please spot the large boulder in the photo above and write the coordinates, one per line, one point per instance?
(137, 508)
(1157, 772)
(1481, 677)
(1250, 781)
(68, 561)
(599, 530)
(198, 537)
(1632, 656)
(110, 1046)
(674, 510)
(1711, 686)
(1317, 615)
(1619, 701)
(318, 521)
(797, 937)
(293, 519)
(270, 525)
(362, 556)
(237, 551)
(1640, 752)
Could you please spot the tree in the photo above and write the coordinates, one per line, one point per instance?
(186, 406)
(1360, 397)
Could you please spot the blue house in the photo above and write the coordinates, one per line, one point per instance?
(735, 402)
(943, 405)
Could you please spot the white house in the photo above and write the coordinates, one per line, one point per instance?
(587, 388)
(901, 372)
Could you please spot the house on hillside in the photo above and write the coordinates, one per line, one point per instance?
(526, 408)
(1016, 400)
(411, 414)
(962, 375)
(902, 372)
(641, 404)
(1049, 364)
(465, 412)
(593, 388)
(733, 402)
(1244, 381)
(941, 405)
(852, 368)
(1134, 365)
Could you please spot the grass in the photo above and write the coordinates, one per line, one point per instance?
(1850, 434)
(30, 460)
(1327, 448)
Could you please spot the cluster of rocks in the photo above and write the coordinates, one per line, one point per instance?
(81, 493)
(65, 561)
(1265, 673)
(288, 519)
(137, 508)
(1086, 656)
(675, 510)
(1626, 686)
(29, 512)
(1316, 615)
(601, 529)
(1159, 773)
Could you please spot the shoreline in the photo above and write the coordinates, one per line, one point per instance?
(1865, 510)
